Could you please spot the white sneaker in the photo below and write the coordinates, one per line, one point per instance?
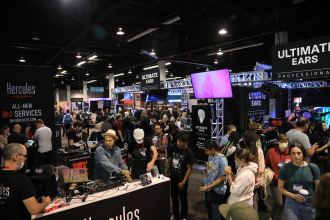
(173, 217)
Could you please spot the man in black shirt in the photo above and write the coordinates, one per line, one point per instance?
(180, 163)
(73, 135)
(17, 137)
(144, 145)
(17, 195)
(99, 118)
(129, 127)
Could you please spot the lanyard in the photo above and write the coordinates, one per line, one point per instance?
(5, 136)
(10, 168)
(301, 174)
(142, 146)
(258, 143)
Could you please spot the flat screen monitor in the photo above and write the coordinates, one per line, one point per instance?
(212, 84)
(157, 95)
(78, 175)
(128, 96)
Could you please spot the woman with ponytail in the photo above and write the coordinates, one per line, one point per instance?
(215, 179)
(242, 185)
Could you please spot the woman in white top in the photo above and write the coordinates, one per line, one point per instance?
(242, 185)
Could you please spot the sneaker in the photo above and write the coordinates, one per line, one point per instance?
(173, 217)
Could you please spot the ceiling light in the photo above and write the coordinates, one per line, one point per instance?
(73, 78)
(230, 70)
(216, 61)
(22, 60)
(57, 74)
(152, 52)
(92, 57)
(120, 32)
(137, 76)
(166, 71)
(64, 71)
(129, 71)
(207, 69)
(62, 82)
(123, 83)
(155, 66)
(107, 77)
(170, 21)
(109, 65)
(78, 56)
(81, 63)
(117, 80)
(35, 36)
(87, 74)
(59, 67)
(222, 31)
(171, 75)
(120, 74)
(220, 53)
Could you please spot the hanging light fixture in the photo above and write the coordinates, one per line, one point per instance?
(123, 83)
(59, 67)
(129, 71)
(171, 75)
(62, 82)
(207, 69)
(78, 56)
(117, 80)
(120, 31)
(219, 53)
(22, 60)
(73, 78)
(87, 74)
(109, 65)
(35, 36)
(152, 52)
(166, 71)
(216, 61)
(223, 31)
(57, 74)
(137, 76)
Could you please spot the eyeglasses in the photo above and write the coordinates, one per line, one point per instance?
(157, 128)
(24, 155)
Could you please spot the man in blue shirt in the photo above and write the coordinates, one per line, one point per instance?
(224, 139)
(108, 160)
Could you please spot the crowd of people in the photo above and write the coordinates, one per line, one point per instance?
(237, 174)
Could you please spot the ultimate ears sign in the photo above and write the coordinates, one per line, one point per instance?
(26, 94)
(302, 59)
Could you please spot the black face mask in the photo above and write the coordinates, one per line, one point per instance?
(259, 132)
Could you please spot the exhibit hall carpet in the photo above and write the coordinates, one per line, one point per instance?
(196, 202)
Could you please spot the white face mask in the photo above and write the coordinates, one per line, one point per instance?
(283, 146)
(20, 166)
(139, 142)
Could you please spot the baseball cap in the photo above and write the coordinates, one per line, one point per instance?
(138, 134)
(42, 172)
(238, 211)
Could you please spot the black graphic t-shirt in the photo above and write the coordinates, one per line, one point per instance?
(14, 188)
(180, 159)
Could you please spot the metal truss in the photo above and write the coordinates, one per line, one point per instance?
(248, 76)
(298, 85)
(177, 84)
(180, 91)
(217, 125)
(127, 89)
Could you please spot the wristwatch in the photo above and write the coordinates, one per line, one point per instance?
(228, 177)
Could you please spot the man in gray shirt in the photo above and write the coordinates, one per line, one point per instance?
(297, 135)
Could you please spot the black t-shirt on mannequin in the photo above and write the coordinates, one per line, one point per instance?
(14, 189)
(147, 143)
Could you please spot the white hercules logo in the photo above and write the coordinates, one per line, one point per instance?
(201, 115)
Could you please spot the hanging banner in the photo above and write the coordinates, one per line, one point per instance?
(258, 103)
(201, 123)
(302, 59)
(150, 80)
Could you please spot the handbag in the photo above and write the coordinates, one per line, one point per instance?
(266, 179)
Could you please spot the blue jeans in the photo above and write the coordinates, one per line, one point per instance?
(127, 137)
(213, 200)
(293, 210)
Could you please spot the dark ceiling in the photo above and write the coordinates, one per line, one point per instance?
(66, 27)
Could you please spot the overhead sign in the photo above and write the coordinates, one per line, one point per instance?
(96, 89)
(258, 104)
(302, 59)
(150, 80)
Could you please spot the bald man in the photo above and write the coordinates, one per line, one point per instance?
(17, 196)
(17, 137)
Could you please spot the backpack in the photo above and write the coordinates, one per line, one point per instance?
(68, 118)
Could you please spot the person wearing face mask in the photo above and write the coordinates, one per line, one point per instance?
(242, 184)
(261, 142)
(275, 159)
(145, 146)
(73, 134)
(17, 200)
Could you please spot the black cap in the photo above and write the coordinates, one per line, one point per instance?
(42, 172)
(234, 137)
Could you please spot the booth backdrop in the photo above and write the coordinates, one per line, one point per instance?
(27, 94)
